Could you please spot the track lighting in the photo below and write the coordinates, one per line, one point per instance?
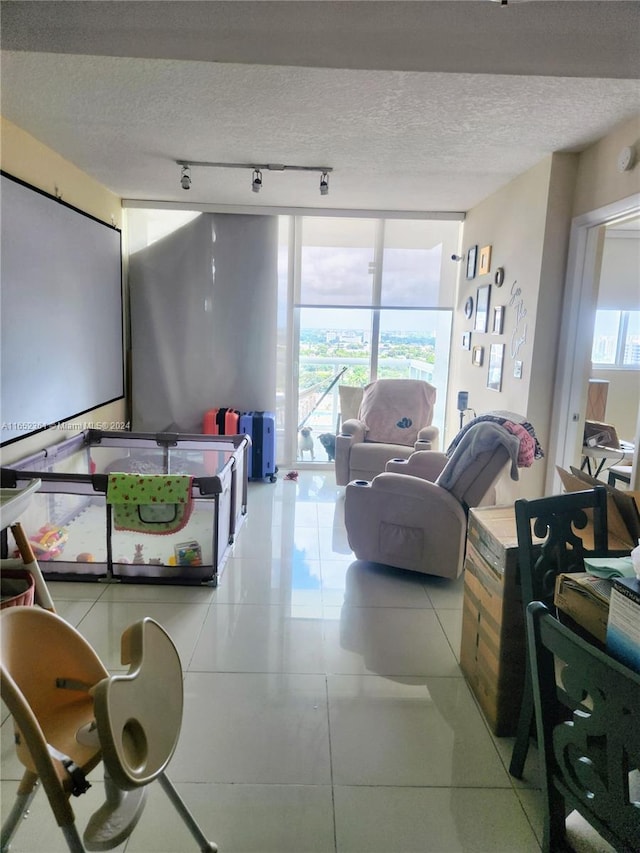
(256, 169)
(256, 183)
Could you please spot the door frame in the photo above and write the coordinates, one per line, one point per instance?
(574, 350)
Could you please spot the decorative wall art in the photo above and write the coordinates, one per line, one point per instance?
(482, 308)
(466, 340)
(519, 334)
(498, 320)
(477, 357)
(494, 375)
(485, 260)
(498, 278)
(468, 308)
(472, 256)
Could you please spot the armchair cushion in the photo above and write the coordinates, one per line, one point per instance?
(394, 410)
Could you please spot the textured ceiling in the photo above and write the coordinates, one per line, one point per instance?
(416, 106)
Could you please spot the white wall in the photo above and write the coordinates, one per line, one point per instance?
(619, 289)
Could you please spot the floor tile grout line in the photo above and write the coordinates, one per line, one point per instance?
(333, 789)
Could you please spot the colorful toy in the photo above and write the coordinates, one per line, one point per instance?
(188, 554)
(49, 542)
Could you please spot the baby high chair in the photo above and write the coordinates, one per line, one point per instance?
(69, 714)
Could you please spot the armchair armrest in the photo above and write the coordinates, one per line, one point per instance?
(425, 464)
(428, 434)
(352, 432)
(354, 428)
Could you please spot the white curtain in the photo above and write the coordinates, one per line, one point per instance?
(203, 321)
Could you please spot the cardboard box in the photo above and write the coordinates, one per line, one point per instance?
(623, 630)
(492, 532)
(493, 648)
(623, 513)
(575, 596)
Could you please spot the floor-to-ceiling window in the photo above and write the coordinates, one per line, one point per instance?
(367, 298)
(358, 299)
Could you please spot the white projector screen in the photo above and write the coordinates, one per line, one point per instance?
(60, 311)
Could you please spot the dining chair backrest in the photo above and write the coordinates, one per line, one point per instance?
(590, 756)
(561, 522)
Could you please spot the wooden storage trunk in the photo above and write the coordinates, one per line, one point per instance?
(493, 650)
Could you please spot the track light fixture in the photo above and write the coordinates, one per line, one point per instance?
(256, 169)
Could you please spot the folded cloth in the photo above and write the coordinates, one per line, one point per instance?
(150, 503)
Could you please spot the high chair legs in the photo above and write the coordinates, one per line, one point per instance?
(27, 789)
(168, 787)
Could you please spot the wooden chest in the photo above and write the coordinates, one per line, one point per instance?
(493, 650)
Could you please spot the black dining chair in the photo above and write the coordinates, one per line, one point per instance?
(557, 521)
(590, 758)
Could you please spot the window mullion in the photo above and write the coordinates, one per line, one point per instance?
(376, 295)
(622, 337)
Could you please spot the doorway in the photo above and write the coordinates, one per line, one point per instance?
(588, 233)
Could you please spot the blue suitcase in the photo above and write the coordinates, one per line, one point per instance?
(261, 427)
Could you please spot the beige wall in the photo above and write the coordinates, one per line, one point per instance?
(598, 181)
(26, 158)
(527, 225)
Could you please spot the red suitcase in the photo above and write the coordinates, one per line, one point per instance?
(222, 421)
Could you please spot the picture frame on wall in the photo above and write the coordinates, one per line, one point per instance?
(484, 265)
(466, 341)
(498, 320)
(477, 356)
(496, 360)
(472, 256)
(482, 308)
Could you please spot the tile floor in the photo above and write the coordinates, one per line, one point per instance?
(325, 710)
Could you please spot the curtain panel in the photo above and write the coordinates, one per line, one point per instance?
(203, 304)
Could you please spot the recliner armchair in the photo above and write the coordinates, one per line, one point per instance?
(394, 419)
(414, 515)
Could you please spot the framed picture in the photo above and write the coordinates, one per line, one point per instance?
(472, 256)
(482, 308)
(477, 357)
(496, 359)
(485, 260)
(498, 320)
(466, 340)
